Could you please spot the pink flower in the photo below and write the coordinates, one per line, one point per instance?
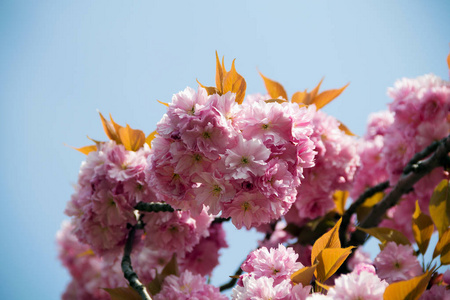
(247, 209)
(359, 257)
(123, 164)
(213, 191)
(278, 264)
(436, 292)
(188, 286)
(262, 289)
(267, 122)
(397, 263)
(247, 158)
(175, 231)
(205, 255)
(354, 286)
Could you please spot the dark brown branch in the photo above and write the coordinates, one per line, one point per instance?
(127, 269)
(154, 207)
(221, 220)
(413, 163)
(352, 209)
(403, 186)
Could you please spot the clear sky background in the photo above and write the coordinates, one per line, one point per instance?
(60, 61)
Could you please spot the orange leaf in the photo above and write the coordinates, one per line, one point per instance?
(275, 100)
(299, 97)
(340, 198)
(448, 60)
(209, 89)
(171, 268)
(364, 209)
(385, 235)
(442, 245)
(116, 126)
(86, 149)
(323, 286)
(327, 96)
(150, 138)
(132, 139)
(345, 129)
(304, 275)
(407, 290)
(328, 240)
(110, 130)
(440, 206)
(315, 91)
(423, 228)
(274, 88)
(329, 261)
(167, 104)
(88, 252)
(235, 83)
(220, 69)
(123, 293)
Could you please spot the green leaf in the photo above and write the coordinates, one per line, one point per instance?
(440, 206)
(407, 290)
(423, 228)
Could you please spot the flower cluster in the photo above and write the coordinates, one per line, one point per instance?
(418, 115)
(188, 286)
(87, 269)
(244, 160)
(269, 164)
(335, 166)
(110, 183)
(269, 276)
(359, 284)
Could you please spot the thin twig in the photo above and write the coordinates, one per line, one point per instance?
(352, 209)
(403, 186)
(154, 207)
(127, 269)
(232, 281)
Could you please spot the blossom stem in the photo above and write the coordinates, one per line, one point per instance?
(404, 185)
(154, 207)
(232, 281)
(127, 269)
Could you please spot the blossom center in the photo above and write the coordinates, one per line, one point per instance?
(216, 190)
(206, 135)
(245, 206)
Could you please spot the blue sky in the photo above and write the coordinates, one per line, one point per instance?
(60, 61)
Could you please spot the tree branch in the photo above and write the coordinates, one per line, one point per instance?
(127, 269)
(154, 207)
(404, 185)
(352, 209)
